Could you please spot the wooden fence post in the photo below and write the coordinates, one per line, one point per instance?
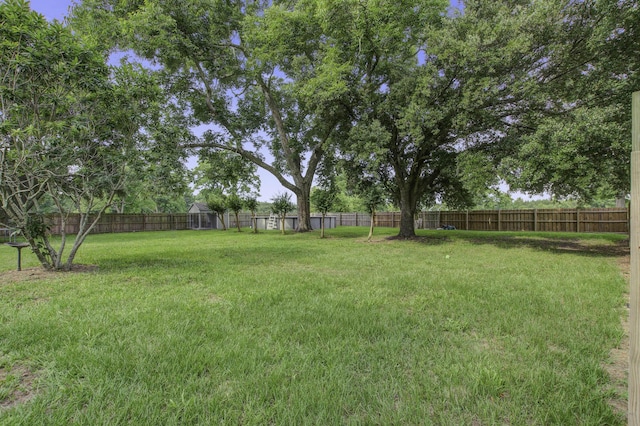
(634, 299)
(535, 220)
(467, 221)
(499, 221)
(577, 219)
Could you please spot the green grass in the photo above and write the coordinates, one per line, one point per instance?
(217, 327)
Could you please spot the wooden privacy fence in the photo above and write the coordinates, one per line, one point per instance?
(354, 219)
(114, 223)
(547, 220)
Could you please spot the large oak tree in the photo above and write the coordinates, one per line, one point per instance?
(436, 88)
(478, 87)
(267, 79)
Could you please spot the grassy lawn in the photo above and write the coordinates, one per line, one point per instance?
(214, 327)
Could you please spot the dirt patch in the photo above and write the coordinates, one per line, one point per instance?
(16, 386)
(38, 273)
(430, 240)
(618, 366)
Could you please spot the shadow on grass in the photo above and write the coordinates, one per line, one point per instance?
(223, 257)
(584, 246)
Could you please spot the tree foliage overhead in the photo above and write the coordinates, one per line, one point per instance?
(582, 150)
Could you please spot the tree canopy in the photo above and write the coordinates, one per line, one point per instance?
(582, 150)
(431, 103)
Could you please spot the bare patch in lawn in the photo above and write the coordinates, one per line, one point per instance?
(213, 298)
(16, 386)
(429, 240)
(618, 366)
(38, 273)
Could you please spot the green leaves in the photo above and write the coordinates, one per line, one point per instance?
(559, 156)
(226, 172)
(70, 127)
(264, 76)
(403, 87)
(324, 198)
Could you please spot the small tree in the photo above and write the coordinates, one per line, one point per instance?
(323, 199)
(281, 204)
(69, 128)
(218, 204)
(235, 204)
(372, 198)
(252, 204)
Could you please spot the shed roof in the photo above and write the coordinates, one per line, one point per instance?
(199, 207)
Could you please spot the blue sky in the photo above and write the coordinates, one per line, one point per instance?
(51, 9)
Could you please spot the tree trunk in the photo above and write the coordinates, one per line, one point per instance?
(238, 221)
(42, 258)
(371, 226)
(322, 226)
(407, 213)
(254, 222)
(304, 209)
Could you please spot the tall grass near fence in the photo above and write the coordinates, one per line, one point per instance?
(240, 328)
